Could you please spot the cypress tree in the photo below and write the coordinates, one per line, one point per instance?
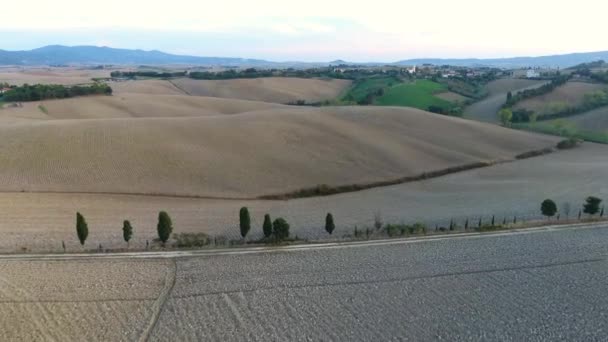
(127, 231)
(267, 227)
(244, 221)
(164, 227)
(329, 223)
(479, 224)
(82, 229)
(492, 220)
(466, 224)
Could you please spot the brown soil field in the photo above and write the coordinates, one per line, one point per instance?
(504, 85)
(41, 221)
(79, 300)
(451, 96)
(270, 89)
(65, 76)
(247, 155)
(570, 94)
(131, 105)
(594, 120)
(153, 87)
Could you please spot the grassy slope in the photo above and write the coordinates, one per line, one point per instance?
(418, 94)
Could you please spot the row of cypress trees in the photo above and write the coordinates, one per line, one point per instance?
(276, 227)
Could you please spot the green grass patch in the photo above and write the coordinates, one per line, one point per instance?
(418, 94)
(361, 88)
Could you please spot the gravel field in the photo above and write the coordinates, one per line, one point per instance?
(39, 222)
(544, 285)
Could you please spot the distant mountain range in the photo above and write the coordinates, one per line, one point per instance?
(90, 55)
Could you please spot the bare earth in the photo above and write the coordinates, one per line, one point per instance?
(267, 89)
(477, 288)
(246, 155)
(41, 221)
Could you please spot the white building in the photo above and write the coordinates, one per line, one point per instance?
(531, 73)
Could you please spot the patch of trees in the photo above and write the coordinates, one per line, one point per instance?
(38, 92)
(542, 90)
(154, 74)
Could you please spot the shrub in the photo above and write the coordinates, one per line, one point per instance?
(267, 226)
(329, 223)
(280, 229)
(82, 229)
(592, 205)
(192, 239)
(548, 208)
(244, 221)
(164, 227)
(568, 143)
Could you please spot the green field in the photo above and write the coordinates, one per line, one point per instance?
(418, 94)
(362, 88)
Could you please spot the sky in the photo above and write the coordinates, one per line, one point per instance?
(312, 30)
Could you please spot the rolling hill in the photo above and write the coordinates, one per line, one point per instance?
(267, 151)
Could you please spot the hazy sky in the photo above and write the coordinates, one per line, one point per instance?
(312, 30)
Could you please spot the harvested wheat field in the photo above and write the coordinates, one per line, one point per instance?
(593, 120)
(65, 76)
(41, 221)
(268, 89)
(152, 87)
(571, 94)
(246, 155)
(487, 109)
(80, 300)
(131, 105)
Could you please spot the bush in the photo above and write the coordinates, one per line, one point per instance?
(548, 208)
(280, 229)
(187, 240)
(568, 143)
(592, 205)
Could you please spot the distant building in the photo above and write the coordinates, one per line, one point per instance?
(411, 70)
(4, 90)
(531, 73)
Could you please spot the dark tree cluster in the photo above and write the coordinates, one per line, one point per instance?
(38, 92)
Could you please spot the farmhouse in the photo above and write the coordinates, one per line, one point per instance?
(4, 90)
(532, 73)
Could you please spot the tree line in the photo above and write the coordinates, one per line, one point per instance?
(38, 92)
(278, 230)
(154, 74)
(557, 81)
